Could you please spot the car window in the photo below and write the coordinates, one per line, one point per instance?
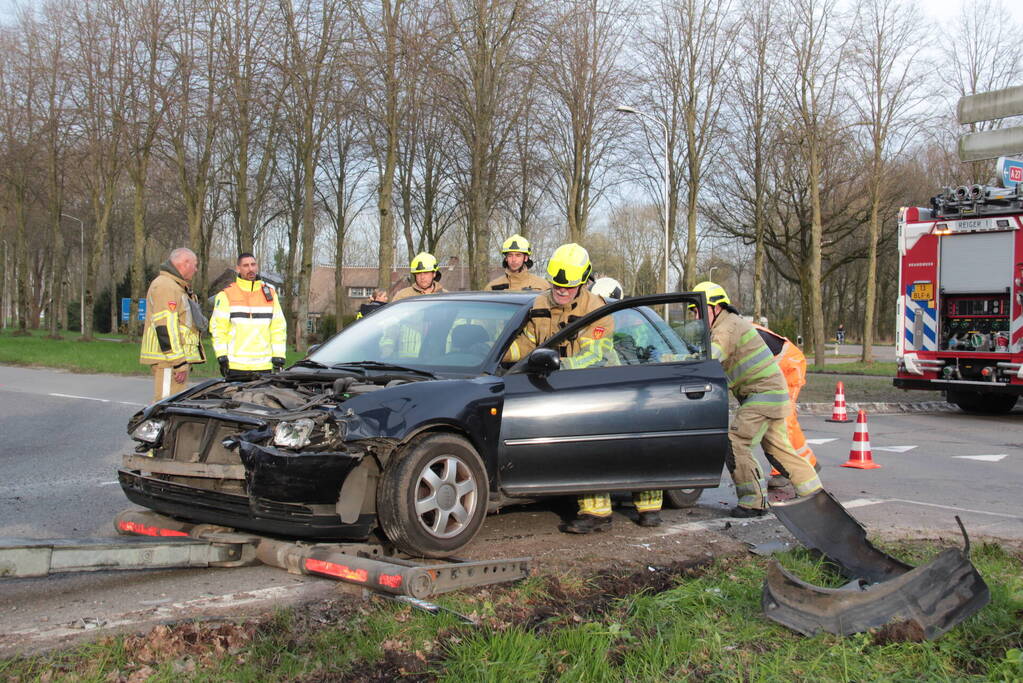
(643, 337)
(434, 335)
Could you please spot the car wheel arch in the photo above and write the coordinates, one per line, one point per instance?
(447, 428)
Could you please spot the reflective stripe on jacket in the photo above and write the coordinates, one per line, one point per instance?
(753, 374)
(170, 337)
(247, 328)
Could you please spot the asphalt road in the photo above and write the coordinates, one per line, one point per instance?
(62, 435)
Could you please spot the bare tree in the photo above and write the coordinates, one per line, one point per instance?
(483, 81)
(312, 34)
(883, 63)
(582, 76)
(810, 87)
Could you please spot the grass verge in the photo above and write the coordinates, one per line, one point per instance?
(106, 354)
(665, 623)
(857, 368)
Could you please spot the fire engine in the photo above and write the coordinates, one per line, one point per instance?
(960, 310)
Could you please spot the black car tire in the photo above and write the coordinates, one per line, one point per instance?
(681, 498)
(443, 474)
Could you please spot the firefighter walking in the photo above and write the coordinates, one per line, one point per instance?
(516, 252)
(757, 382)
(174, 321)
(248, 326)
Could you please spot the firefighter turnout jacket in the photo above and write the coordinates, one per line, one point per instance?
(592, 346)
(517, 281)
(248, 325)
(170, 337)
(412, 290)
(753, 374)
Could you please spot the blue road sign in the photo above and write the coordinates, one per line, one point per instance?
(1011, 171)
(126, 309)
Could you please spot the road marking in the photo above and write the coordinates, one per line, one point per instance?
(84, 398)
(952, 507)
(820, 442)
(983, 458)
(108, 483)
(894, 449)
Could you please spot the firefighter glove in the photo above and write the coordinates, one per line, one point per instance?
(222, 360)
(278, 362)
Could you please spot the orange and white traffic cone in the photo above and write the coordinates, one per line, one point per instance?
(859, 453)
(839, 413)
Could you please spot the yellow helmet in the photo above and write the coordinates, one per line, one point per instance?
(569, 266)
(714, 292)
(517, 243)
(424, 263)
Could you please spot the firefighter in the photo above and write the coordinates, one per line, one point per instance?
(174, 321)
(248, 326)
(757, 382)
(792, 363)
(425, 275)
(378, 299)
(568, 271)
(516, 252)
(648, 503)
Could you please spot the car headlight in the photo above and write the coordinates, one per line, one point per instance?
(293, 434)
(149, 431)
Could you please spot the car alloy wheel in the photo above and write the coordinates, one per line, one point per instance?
(432, 497)
(446, 496)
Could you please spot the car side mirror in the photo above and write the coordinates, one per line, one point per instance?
(312, 349)
(543, 362)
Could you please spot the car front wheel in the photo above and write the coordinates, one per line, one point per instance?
(433, 495)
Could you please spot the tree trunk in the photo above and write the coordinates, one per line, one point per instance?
(816, 238)
(138, 264)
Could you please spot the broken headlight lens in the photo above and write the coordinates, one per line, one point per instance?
(293, 434)
(149, 431)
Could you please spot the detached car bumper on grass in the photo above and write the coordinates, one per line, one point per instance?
(407, 423)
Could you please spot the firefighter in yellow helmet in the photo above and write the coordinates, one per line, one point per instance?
(568, 272)
(757, 383)
(425, 275)
(517, 262)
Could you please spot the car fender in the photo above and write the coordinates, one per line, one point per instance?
(394, 416)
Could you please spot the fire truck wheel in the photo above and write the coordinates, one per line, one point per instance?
(989, 404)
(432, 497)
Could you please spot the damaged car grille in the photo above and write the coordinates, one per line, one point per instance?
(200, 460)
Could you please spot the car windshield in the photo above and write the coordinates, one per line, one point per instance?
(438, 336)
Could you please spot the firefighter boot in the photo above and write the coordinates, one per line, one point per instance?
(651, 518)
(584, 524)
(742, 512)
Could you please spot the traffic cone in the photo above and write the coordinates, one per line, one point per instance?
(859, 453)
(838, 413)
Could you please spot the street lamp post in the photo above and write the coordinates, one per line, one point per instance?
(667, 171)
(81, 227)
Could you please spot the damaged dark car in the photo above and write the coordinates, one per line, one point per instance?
(407, 424)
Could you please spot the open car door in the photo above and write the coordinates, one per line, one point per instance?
(652, 416)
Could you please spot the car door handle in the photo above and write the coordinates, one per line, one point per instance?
(696, 390)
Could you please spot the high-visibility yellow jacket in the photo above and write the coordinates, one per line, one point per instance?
(248, 325)
(170, 337)
(753, 374)
(517, 281)
(592, 346)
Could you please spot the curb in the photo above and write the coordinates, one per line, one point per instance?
(881, 408)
